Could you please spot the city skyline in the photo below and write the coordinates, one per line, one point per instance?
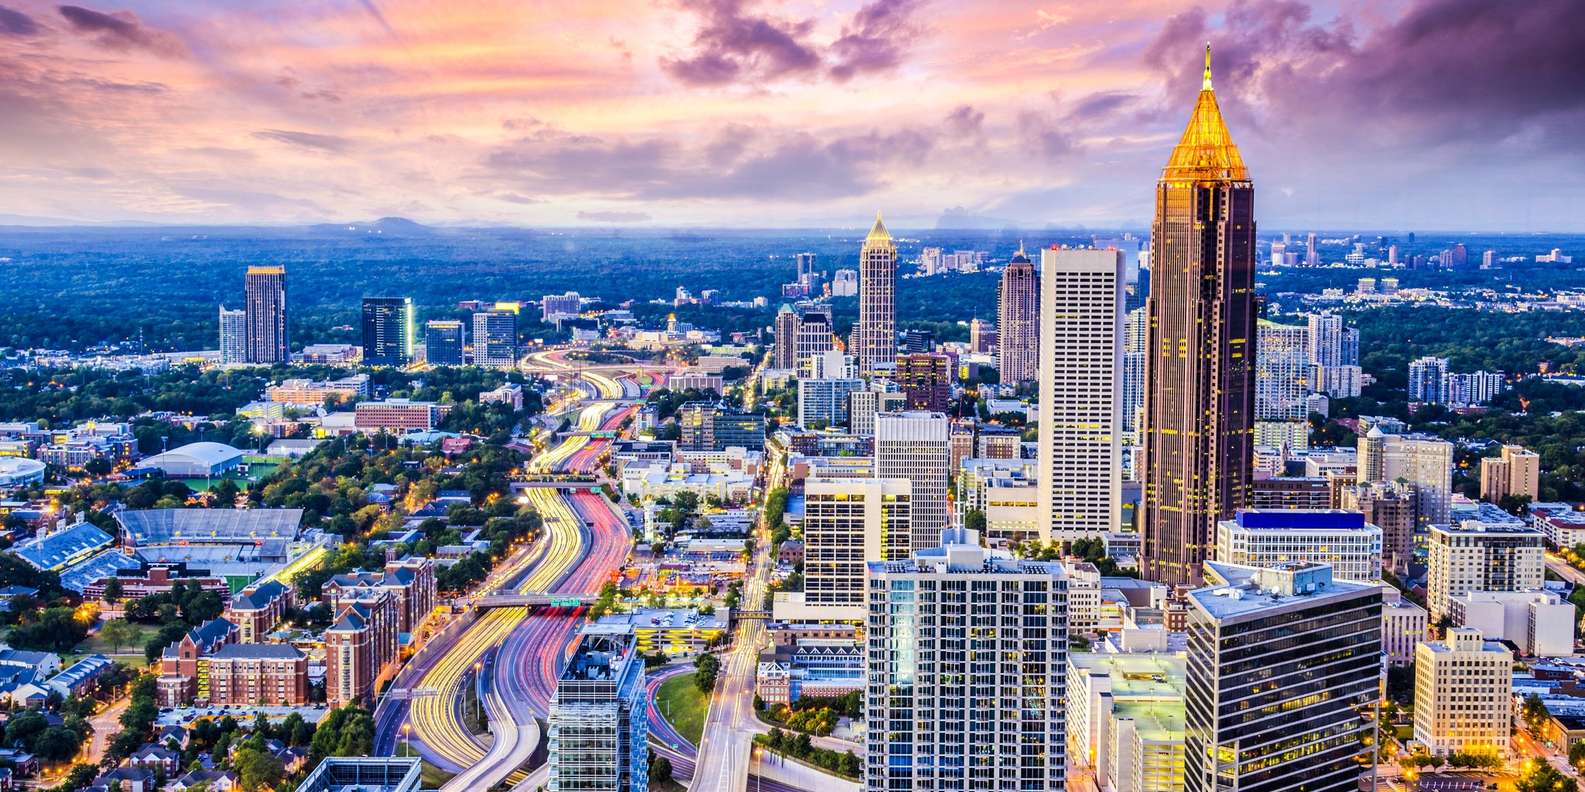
(671, 115)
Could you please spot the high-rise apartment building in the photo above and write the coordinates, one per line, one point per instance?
(443, 342)
(233, 336)
(1199, 368)
(982, 337)
(926, 379)
(823, 403)
(1463, 694)
(845, 283)
(915, 446)
(784, 355)
(558, 306)
(265, 305)
(1425, 462)
(598, 726)
(966, 653)
(495, 339)
(1515, 472)
(1018, 321)
(1081, 352)
(1482, 554)
(847, 524)
(388, 331)
(875, 335)
(1428, 380)
(1282, 371)
(1284, 673)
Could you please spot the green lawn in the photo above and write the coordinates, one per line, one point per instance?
(430, 776)
(681, 703)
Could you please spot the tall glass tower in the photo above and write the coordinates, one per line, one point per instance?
(1199, 356)
(875, 337)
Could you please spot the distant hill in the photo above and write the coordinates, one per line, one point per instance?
(385, 226)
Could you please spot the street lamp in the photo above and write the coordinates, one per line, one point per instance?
(407, 740)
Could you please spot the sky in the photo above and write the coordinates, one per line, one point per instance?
(1389, 114)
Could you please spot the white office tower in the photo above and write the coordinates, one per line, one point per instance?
(233, 336)
(1081, 355)
(847, 524)
(1482, 555)
(1125, 719)
(966, 658)
(599, 733)
(1284, 674)
(1282, 371)
(1463, 694)
(1272, 537)
(830, 364)
(914, 445)
(881, 396)
(1425, 462)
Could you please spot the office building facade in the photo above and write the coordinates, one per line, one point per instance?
(847, 524)
(388, 331)
(926, 379)
(1340, 539)
(443, 342)
(233, 336)
(1018, 322)
(1463, 694)
(875, 335)
(1199, 367)
(915, 446)
(1284, 671)
(598, 726)
(265, 306)
(1080, 415)
(495, 339)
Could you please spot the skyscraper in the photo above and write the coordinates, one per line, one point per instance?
(388, 330)
(966, 652)
(233, 336)
(814, 336)
(443, 342)
(1200, 397)
(785, 353)
(875, 336)
(1312, 257)
(915, 446)
(927, 380)
(265, 306)
(1284, 669)
(1018, 321)
(495, 339)
(1081, 348)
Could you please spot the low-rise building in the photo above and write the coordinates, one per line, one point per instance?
(1540, 623)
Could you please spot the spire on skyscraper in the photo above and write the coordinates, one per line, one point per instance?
(878, 232)
(1206, 150)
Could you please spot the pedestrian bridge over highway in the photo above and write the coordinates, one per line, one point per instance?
(512, 599)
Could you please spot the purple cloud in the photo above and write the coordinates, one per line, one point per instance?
(306, 140)
(121, 31)
(1446, 71)
(768, 166)
(735, 45)
(16, 23)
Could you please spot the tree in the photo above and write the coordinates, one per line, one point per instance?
(118, 633)
(257, 768)
(113, 590)
(974, 520)
(659, 769)
(1543, 778)
(707, 667)
(1576, 754)
(1534, 712)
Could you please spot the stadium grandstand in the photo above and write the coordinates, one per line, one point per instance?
(201, 535)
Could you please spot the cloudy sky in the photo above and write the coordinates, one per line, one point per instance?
(1395, 114)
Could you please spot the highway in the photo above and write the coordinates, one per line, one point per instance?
(519, 650)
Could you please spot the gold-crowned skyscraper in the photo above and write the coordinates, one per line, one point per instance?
(1199, 358)
(875, 336)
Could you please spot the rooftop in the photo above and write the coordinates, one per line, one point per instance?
(1301, 519)
(1247, 590)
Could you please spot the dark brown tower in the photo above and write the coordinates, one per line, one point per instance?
(1199, 363)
